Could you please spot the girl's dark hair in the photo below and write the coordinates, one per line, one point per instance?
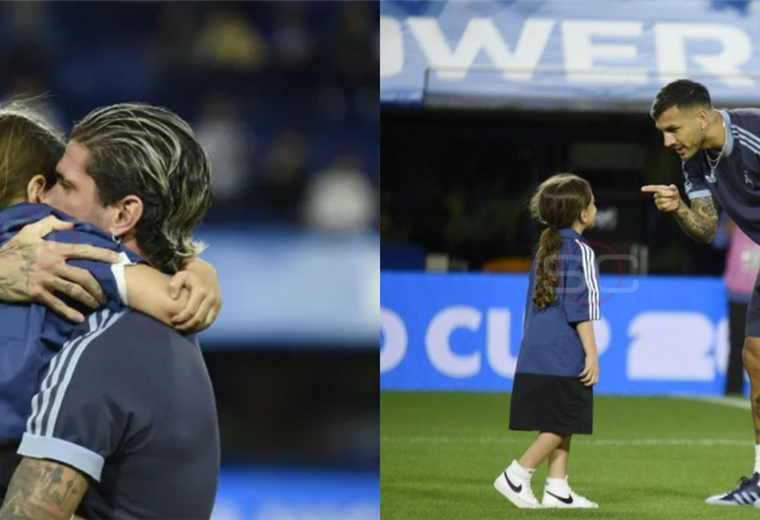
(557, 203)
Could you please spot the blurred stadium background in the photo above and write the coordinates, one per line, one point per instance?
(284, 97)
(480, 102)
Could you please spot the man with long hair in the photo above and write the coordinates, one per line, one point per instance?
(124, 424)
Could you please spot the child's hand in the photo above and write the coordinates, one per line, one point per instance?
(590, 374)
(205, 296)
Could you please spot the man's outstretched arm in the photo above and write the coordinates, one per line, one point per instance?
(43, 490)
(700, 221)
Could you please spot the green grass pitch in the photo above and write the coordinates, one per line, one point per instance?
(649, 458)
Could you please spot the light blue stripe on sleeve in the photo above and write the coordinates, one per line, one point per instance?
(699, 194)
(79, 458)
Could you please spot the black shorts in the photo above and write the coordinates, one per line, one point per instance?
(753, 312)
(551, 404)
(9, 461)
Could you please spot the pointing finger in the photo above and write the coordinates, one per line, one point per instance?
(653, 188)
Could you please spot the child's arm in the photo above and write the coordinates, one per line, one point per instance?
(189, 301)
(147, 290)
(199, 277)
(590, 374)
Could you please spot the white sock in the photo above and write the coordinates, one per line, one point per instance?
(757, 458)
(558, 484)
(518, 471)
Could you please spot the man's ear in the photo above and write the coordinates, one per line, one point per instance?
(35, 189)
(129, 211)
(704, 118)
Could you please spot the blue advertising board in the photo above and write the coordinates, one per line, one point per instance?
(577, 54)
(462, 332)
(294, 288)
(277, 494)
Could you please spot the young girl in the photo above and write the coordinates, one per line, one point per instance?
(557, 365)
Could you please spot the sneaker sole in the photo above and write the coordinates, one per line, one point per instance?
(715, 501)
(563, 506)
(501, 486)
(726, 504)
(554, 504)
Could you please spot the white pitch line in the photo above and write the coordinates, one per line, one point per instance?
(591, 442)
(733, 402)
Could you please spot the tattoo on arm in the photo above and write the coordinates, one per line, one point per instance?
(700, 221)
(43, 490)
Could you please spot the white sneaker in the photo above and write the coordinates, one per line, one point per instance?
(566, 499)
(516, 489)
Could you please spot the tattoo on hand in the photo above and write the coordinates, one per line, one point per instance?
(12, 287)
(64, 286)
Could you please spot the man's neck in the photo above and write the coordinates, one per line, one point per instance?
(715, 138)
(131, 244)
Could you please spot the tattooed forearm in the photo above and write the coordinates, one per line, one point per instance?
(700, 221)
(43, 490)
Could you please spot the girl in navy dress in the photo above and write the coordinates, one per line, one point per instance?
(557, 365)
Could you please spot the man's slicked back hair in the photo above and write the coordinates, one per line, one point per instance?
(150, 152)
